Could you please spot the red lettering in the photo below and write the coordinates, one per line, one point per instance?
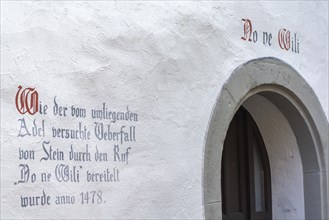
(27, 100)
(284, 39)
(247, 29)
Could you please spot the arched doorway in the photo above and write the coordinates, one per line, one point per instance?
(278, 83)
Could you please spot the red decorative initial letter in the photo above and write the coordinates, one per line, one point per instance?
(247, 29)
(27, 100)
(284, 39)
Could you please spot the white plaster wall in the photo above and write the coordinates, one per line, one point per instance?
(285, 160)
(167, 61)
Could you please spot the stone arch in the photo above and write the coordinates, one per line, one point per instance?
(290, 93)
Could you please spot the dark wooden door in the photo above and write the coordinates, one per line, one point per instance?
(246, 183)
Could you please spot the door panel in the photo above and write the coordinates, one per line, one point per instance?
(246, 190)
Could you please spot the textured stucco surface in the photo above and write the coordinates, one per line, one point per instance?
(167, 61)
